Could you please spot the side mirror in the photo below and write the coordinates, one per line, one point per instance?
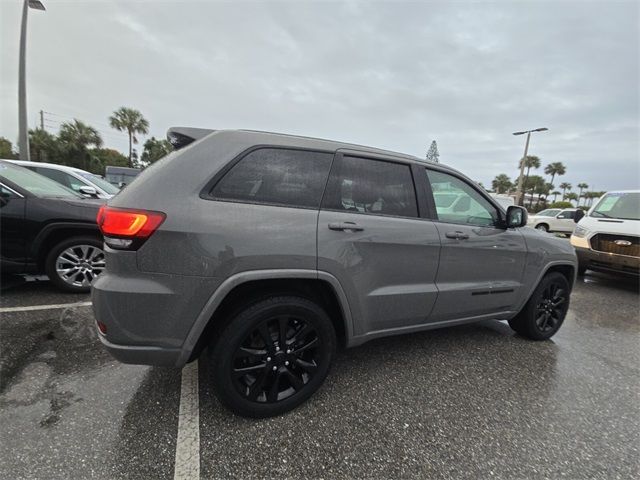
(88, 191)
(516, 216)
(579, 215)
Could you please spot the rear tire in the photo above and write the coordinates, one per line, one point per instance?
(544, 313)
(88, 268)
(272, 356)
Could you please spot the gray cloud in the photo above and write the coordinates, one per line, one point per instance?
(389, 74)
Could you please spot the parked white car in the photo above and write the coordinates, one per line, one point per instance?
(81, 181)
(554, 220)
(608, 237)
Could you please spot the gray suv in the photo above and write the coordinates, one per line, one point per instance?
(272, 250)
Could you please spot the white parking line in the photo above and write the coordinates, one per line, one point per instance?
(187, 465)
(44, 307)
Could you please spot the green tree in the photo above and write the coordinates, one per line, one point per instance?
(131, 121)
(6, 149)
(571, 196)
(432, 154)
(104, 157)
(502, 183)
(564, 187)
(44, 146)
(581, 186)
(533, 185)
(154, 150)
(555, 168)
(531, 161)
(76, 137)
(555, 194)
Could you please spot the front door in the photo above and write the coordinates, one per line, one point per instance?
(372, 239)
(12, 230)
(481, 262)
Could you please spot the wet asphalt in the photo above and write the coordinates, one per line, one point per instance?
(466, 402)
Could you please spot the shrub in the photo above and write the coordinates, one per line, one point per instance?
(561, 205)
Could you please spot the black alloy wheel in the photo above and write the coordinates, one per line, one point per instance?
(550, 311)
(272, 355)
(276, 359)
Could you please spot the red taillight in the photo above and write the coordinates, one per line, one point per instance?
(120, 222)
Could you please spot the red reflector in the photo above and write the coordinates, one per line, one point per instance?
(120, 222)
(102, 327)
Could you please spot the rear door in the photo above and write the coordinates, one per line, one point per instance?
(372, 238)
(481, 263)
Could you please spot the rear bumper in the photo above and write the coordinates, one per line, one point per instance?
(608, 262)
(141, 354)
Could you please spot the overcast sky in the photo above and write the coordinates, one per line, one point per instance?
(394, 75)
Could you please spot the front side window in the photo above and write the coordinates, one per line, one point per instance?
(100, 182)
(458, 202)
(363, 185)
(567, 214)
(277, 176)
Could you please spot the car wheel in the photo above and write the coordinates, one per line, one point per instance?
(543, 227)
(544, 313)
(72, 264)
(272, 356)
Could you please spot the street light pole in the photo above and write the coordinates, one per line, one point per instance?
(23, 128)
(520, 189)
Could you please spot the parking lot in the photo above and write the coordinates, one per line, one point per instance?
(466, 402)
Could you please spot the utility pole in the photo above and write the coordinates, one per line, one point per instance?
(41, 120)
(23, 127)
(520, 190)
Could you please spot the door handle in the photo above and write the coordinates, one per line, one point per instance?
(345, 226)
(457, 235)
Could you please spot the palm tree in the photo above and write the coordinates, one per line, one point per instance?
(43, 145)
(565, 186)
(131, 121)
(502, 183)
(555, 194)
(77, 136)
(571, 196)
(531, 161)
(581, 186)
(555, 168)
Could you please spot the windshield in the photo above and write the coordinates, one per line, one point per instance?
(34, 183)
(550, 212)
(102, 183)
(623, 206)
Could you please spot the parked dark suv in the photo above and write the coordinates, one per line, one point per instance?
(273, 249)
(48, 228)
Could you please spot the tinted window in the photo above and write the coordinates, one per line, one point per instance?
(468, 205)
(37, 184)
(372, 186)
(568, 214)
(277, 176)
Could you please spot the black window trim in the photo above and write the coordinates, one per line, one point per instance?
(206, 194)
(501, 225)
(337, 164)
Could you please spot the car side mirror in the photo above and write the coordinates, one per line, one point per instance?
(516, 216)
(88, 191)
(578, 216)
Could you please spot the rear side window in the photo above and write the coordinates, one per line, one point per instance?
(277, 176)
(363, 185)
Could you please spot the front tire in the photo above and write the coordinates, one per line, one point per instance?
(73, 263)
(272, 356)
(543, 227)
(544, 313)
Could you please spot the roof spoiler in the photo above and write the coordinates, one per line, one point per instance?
(180, 137)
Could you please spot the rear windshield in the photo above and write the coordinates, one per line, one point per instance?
(623, 206)
(34, 183)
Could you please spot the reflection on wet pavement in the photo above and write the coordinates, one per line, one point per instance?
(472, 402)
